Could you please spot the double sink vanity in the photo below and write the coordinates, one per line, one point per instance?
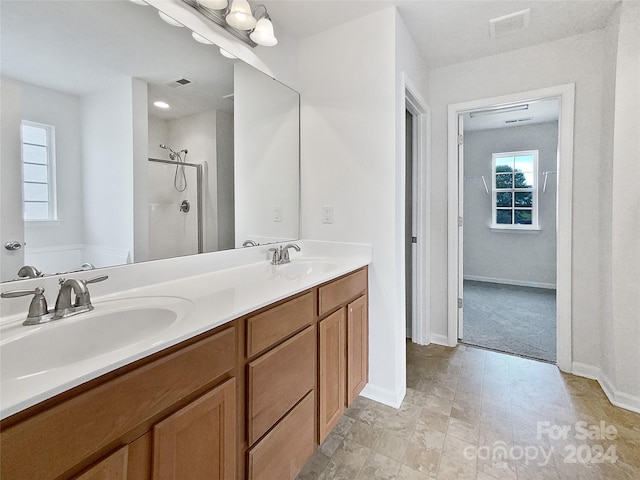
(226, 367)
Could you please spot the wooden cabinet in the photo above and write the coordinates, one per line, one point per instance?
(331, 363)
(114, 467)
(357, 347)
(198, 442)
(247, 400)
(343, 347)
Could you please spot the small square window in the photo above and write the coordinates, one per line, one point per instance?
(38, 171)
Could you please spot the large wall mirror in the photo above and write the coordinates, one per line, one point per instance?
(95, 174)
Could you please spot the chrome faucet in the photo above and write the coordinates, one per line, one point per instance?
(64, 307)
(249, 243)
(29, 271)
(38, 311)
(281, 254)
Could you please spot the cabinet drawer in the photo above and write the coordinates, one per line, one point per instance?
(284, 451)
(278, 380)
(268, 328)
(78, 428)
(340, 291)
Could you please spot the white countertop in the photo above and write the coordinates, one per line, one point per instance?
(208, 300)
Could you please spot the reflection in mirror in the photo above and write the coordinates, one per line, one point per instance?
(82, 184)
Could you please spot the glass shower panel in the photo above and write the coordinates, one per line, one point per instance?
(174, 226)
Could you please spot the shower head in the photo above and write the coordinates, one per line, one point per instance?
(162, 145)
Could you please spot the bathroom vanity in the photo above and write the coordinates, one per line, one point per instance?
(249, 398)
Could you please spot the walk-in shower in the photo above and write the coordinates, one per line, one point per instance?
(175, 211)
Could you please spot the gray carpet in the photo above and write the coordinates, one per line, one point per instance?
(520, 320)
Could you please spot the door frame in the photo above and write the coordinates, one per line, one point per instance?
(566, 98)
(419, 108)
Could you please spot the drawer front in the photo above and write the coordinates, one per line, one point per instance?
(74, 430)
(268, 328)
(284, 451)
(278, 380)
(340, 291)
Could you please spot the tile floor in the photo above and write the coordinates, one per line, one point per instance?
(475, 414)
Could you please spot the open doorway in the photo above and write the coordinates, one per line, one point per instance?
(509, 241)
(565, 94)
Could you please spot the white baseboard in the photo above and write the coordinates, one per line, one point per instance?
(616, 397)
(383, 395)
(439, 339)
(502, 281)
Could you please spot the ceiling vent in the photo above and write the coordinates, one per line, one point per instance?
(518, 120)
(181, 82)
(508, 24)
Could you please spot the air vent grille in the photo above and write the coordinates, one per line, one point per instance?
(508, 24)
(181, 82)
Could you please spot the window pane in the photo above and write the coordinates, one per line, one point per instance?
(504, 164)
(36, 192)
(523, 180)
(34, 154)
(36, 211)
(523, 217)
(523, 199)
(524, 163)
(35, 173)
(35, 135)
(504, 180)
(503, 217)
(503, 199)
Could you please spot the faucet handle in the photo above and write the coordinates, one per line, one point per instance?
(275, 259)
(37, 308)
(100, 278)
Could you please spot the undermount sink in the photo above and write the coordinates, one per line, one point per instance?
(112, 325)
(302, 267)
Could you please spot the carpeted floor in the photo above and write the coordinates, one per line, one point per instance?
(508, 318)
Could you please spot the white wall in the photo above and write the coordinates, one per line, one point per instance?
(572, 60)
(62, 111)
(11, 227)
(266, 147)
(509, 256)
(107, 126)
(350, 153)
(621, 349)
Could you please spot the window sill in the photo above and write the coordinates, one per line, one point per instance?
(494, 229)
(42, 223)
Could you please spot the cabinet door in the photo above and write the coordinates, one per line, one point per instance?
(198, 442)
(331, 354)
(114, 467)
(357, 347)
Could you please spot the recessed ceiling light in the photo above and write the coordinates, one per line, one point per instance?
(161, 104)
(230, 55)
(199, 38)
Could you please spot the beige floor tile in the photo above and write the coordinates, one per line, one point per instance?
(364, 434)
(407, 473)
(433, 420)
(535, 472)
(423, 460)
(379, 467)
(314, 466)
(451, 469)
(438, 404)
(392, 445)
(330, 444)
(463, 430)
(463, 452)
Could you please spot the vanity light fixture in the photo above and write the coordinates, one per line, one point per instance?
(235, 16)
(263, 33)
(169, 20)
(160, 104)
(240, 16)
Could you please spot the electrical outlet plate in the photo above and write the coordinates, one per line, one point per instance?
(327, 214)
(277, 214)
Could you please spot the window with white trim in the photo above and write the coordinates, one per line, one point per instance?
(38, 171)
(515, 190)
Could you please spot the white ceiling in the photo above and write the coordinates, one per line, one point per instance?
(450, 31)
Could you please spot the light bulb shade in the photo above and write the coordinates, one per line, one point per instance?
(263, 33)
(240, 16)
(230, 55)
(213, 4)
(169, 20)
